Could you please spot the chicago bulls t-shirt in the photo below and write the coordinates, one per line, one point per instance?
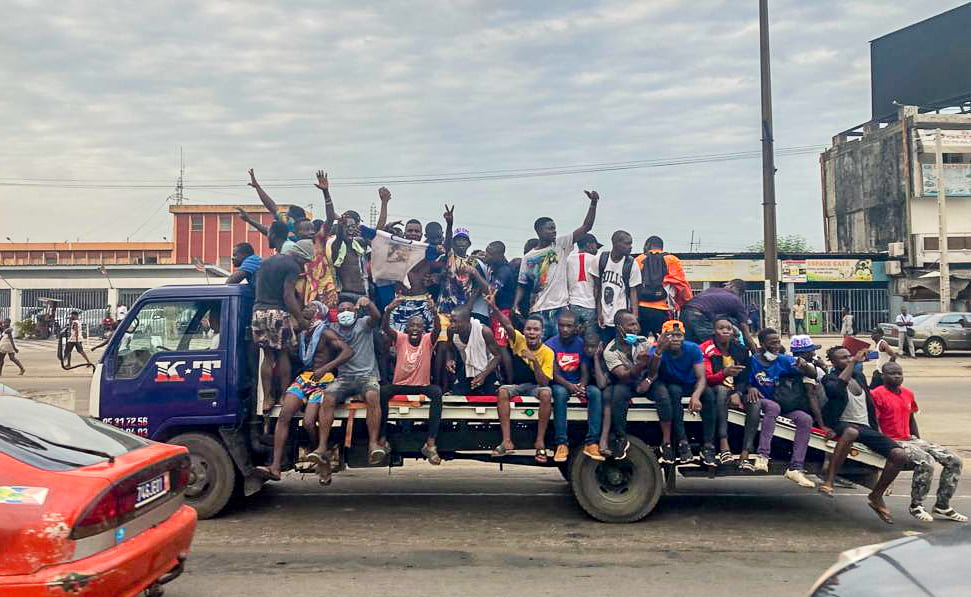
(567, 357)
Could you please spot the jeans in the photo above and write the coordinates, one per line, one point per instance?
(800, 325)
(669, 408)
(804, 425)
(434, 395)
(595, 413)
(549, 317)
(698, 326)
(721, 402)
(753, 414)
(585, 315)
(619, 397)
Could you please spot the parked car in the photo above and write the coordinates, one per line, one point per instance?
(935, 564)
(86, 508)
(936, 333)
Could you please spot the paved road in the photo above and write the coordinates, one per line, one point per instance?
(469, 528)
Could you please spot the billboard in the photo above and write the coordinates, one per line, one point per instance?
(926, 64)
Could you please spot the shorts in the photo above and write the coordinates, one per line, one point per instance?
(344, 387)
(307, 390)
(502, 339)
(870, 437)
(273, 328)
(408, 308)
(524, 389)
(69, 346)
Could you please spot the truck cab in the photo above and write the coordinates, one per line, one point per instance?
(181, 368)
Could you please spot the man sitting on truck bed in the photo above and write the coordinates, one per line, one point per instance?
(532, 367)
(412, 370)
(356, 376)
(627, 357)
(478, 350)
(572, 376)
(321, 351)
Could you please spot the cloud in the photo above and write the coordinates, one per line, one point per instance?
(110, 92)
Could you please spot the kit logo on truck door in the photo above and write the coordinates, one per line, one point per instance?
(168, 371)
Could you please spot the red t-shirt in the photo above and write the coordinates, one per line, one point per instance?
(414, 363)
(893, 411)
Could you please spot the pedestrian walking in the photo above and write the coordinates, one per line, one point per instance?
(8, 348)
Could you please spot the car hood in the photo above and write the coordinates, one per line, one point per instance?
(930, 564)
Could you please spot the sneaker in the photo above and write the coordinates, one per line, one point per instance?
(708, 457)
(761, 464)
(593, 452)
(950, 514)
(746, 466)
(684, 453)
(620, 448)
(562, 453)
(725, 457)
(921, 514)
(799, 478)
(667, 455)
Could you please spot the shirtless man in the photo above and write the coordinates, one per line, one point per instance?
(322, 352)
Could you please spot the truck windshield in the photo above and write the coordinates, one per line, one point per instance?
(52, 438)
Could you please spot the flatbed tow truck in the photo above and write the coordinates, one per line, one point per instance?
(183, 372)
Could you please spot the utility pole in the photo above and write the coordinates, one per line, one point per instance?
(768, 175)
(945, 267)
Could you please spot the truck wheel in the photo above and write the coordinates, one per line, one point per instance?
(618, 490)
(212, 477)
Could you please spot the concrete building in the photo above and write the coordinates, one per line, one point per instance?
(208, 232)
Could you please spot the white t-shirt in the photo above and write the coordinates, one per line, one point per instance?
(579, 282)
(614, 294)
(546, 270)
(902, 320)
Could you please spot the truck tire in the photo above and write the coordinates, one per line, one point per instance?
(213, 476)
(618, 490)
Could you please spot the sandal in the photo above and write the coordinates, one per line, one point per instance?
(950, 514)
(264, 472)
(826, 490)
(541, 456)
(883, 512)
(431, 454)
(725, 457)
(501, 450)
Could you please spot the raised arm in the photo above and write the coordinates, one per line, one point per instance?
(436, 320)
(385, 195)
(372, 311)
(337, 346)
(386, 319)
(590, 218)
(449, 217)
(504, 320)
(267, 201)
(324, 185)
(243, 215)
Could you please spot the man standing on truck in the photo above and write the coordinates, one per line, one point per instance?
(412, 372)
(247, 263)
(572, 376)
(321, 352)
(532, 366)
(277, 315)
(616, 282)
(545, 267)
(664, 287)
(356, 377)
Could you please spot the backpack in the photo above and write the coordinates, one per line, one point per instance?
(625, 273)
(790, 394)
(653, 271)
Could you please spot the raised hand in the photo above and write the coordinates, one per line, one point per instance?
(594, 196)
(252, 179)
(384, 194)
(363, 302)
(449, 214)
(322, 183)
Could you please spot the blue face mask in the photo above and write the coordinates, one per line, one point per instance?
(632, 339)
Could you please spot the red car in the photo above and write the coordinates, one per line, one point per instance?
(85, 508)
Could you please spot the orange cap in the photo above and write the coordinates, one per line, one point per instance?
(672, 326)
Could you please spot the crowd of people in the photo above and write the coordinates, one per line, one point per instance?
(568, 319)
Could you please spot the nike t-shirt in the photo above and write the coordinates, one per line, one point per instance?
(567, 357)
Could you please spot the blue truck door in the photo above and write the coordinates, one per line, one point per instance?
(171, 362)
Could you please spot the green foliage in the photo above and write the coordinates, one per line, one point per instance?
(25, 328)
(791, 243)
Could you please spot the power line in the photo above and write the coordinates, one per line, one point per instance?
(473, 176)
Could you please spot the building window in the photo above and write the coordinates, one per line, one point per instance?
(931, 244)
(225, 263)
(225, 223)
(196, 224)
(50, 259)
(151, 259)
(954, 243)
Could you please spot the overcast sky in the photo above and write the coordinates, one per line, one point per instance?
(106, 92)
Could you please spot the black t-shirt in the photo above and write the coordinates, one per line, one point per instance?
(504, 279)
(270, 279)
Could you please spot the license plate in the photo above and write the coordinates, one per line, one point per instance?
(151, 490)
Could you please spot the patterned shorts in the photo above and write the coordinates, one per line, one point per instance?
(308, 390)
(409, 307)
(273, 328)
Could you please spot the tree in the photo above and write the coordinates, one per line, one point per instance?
(792, 243)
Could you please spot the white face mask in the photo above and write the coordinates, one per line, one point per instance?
(346, 318)
(770, 356)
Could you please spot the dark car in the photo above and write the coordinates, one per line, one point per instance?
(933, 565)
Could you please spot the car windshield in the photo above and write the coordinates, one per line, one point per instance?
(43, 436)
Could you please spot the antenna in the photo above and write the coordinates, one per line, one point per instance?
(178, 197)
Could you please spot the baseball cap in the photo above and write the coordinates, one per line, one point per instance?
(802, 343)
(461, 232)
(587, 239)
(672, 326)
